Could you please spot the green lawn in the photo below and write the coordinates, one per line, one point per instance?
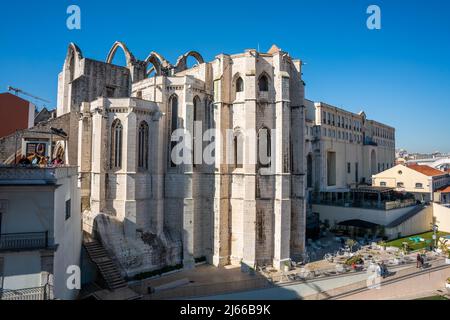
(415, 246)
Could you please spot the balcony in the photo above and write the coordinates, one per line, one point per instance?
(31, 294)
(19, 175)
(369, 142)
(23, 241)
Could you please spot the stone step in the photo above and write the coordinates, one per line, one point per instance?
(105, 265)
(99, 257)
(110, 271)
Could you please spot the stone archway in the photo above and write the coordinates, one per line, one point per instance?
(128, 55)
(181, 64)
(159, 63)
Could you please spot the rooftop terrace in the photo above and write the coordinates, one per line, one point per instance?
(19, 175)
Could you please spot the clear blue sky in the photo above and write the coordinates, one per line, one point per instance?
(399, 75)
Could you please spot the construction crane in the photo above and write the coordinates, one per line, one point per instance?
(17, 91)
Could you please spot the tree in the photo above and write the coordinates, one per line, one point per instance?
(350, 243)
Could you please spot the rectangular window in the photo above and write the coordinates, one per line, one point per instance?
(356, 172)
(349, 168)
(383, 184)
(419, 186)
(68, 209)
(400, 185)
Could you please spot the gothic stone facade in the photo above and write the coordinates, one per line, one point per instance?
(167, 214)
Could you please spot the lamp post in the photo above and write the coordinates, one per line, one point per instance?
(435, 231)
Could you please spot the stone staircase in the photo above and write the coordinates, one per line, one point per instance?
(105, 265)
(135, 255)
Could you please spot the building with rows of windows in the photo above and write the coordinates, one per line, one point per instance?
(344, 149)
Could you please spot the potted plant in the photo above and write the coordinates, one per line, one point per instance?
(382, 245)
(286, 266)
(350, 243)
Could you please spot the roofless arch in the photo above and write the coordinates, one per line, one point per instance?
(181, 64)
(72, 61)
(112, 53)
(158, 61)
(74, 51)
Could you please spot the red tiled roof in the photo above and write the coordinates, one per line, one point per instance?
(426, 170)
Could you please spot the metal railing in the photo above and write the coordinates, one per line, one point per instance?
(48, 173)
(23, 241)
(39, 293)
(375, 205)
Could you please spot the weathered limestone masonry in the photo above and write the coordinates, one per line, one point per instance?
(150, 212)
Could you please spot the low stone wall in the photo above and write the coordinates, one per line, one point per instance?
(336, 214)
(421, 222)
(393, 287)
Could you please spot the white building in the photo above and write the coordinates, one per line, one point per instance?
(344, 149)
(40, 232)
(421, 180)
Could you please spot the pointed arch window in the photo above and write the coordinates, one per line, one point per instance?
(173, 105)
(143, 146)
(209, 114)
(197, 135)
(264, 147)
(263, 83)
(116, 144)
(239, 85)
(238, 150)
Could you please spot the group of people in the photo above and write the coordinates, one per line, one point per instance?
(379, 269)
(383, 270)
(41, 161)
(420, 261)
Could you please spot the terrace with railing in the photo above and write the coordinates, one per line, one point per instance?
(367, 197)
(23, 241)
(30, 294)
(23, 175)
